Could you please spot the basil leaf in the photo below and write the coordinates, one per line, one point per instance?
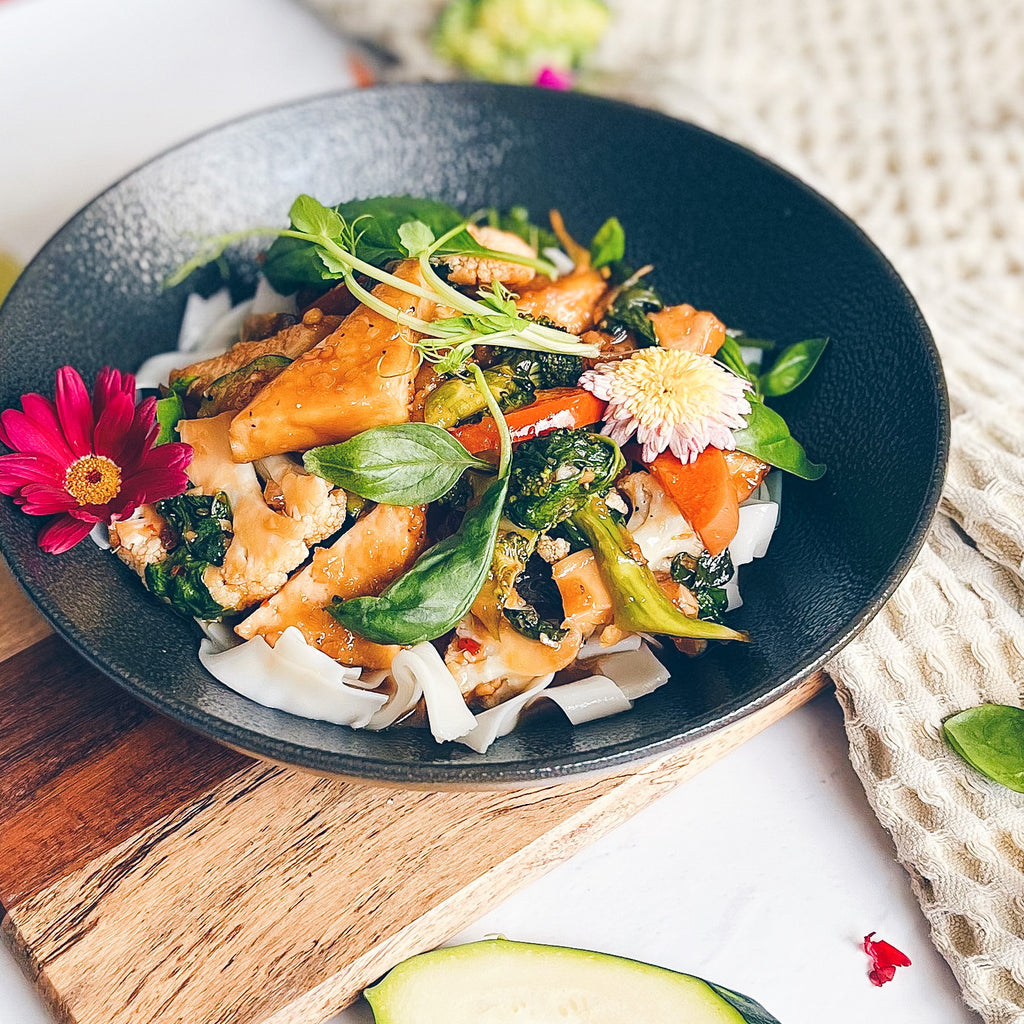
(401, 464)
(609, 244)
(990, 738)
(767, 438)
(792, 367)
(730, 356)
(439, 589)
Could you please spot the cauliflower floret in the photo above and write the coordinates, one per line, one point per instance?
(657, 525)
(552, 549)
(266, 545)
(141, 539)
(476, 270)
(303, 496)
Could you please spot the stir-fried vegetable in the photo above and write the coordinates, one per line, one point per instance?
(552, 410)
(556, 475)
(640, 604)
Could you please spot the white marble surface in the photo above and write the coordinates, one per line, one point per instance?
(764, 872)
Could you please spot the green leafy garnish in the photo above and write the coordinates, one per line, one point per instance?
(635, 299)
(792, 367)
(705, 577)
(516, 220)
(400, 464)
(201, 524)
(440, 588)
(609, 244)
(766, 436)
(990, 738)
(528, 622)
(292, 263)
(345, 240)
(170, 410)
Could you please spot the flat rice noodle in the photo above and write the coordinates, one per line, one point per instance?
(361, 562)
(358, 377)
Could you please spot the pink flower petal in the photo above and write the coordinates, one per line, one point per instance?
(109, 383)
(148, 486)
(40, 500)
(553, 78)
(174, 455)
(74, 410)
(110, 435)
(17, 469)
(25, 434)
(63, 534)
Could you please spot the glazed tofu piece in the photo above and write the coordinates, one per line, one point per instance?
(362, 561)
(358, 377)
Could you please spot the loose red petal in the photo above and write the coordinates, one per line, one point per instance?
(885, 958)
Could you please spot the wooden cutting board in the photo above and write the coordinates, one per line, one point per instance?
(149, 876)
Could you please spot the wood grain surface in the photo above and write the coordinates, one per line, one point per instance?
(149, 875)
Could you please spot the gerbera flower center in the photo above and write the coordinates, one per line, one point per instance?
(93, 480)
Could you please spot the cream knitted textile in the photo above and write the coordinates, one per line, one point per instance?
(909, 115)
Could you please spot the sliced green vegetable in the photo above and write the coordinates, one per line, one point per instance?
(399, 464)
(233, 390)
(608, 245)
(170, 410)
(640, 604)
(440, 587)
(990, 738)
(792, 367)
(766, 436)
(503, 982)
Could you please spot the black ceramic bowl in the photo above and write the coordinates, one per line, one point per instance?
(728, 232)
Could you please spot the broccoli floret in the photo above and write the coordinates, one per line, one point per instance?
(513, 42)
(552, 370)
(554, 476)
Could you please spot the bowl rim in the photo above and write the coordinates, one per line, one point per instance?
(549, 769)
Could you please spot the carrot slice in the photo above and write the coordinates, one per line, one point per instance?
(558, 407)
(704, 492)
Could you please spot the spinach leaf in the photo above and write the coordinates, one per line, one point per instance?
(292, 264)
(990, 738)
(400, 464)
(792, 367)
(199, 521)
(527, 621)
(440, 587)
(767, 438)
(170, 409)
(705, 576)
(629, 310)
(608, 245)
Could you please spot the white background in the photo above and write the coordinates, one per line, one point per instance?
(762, 874)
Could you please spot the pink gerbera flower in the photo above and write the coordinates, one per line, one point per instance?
(670, 398)
(87, 461)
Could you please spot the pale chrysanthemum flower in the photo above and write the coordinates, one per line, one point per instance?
(670, 398)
